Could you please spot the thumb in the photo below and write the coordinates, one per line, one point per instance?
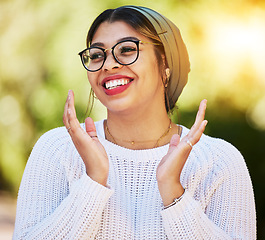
(90, 127)
(173, 142)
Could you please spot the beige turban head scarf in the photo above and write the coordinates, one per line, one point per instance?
(175, 51)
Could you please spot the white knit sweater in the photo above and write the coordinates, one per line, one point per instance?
(57, 200)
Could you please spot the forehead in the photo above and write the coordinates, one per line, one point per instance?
(110, 33)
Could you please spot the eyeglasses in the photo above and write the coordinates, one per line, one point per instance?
(125, 52)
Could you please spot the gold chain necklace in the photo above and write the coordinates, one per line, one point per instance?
(134, 142)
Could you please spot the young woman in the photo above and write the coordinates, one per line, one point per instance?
(134, 175)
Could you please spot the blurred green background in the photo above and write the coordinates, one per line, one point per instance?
(39, 42)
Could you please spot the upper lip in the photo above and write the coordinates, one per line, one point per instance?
(113, 77)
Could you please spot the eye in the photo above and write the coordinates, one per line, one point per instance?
(96, 55)
(127, 49)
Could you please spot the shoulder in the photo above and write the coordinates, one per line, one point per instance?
(218, 145)
(217, 153)
(53, 139)
(58, 139)
(214, 162)
(223, 152)
(50, 148)
(54, 152)
(213, 143)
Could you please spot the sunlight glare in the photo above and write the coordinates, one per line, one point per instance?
(237, 44)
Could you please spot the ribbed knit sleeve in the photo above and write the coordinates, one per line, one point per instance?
(219, 201)
(57, 200)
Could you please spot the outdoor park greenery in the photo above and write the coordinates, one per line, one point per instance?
(39, 42)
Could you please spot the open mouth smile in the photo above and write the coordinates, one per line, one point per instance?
(116, 84)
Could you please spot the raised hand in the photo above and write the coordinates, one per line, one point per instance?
(86, 142)
(171, 165)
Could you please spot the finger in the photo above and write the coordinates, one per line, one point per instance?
(73, 123)
(90, 127)
(198, 127)
(199, 117)
(191, 140)
(71, 102)
(173, 142)
(177, 153)
(65, 115)
(201, 112)
(199, 132)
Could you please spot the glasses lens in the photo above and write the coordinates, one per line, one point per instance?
(126, 52)
(93, 58)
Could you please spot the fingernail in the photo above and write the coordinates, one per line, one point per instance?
(69, 96)
(205, 122)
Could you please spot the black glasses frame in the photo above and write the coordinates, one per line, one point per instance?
(105, 55)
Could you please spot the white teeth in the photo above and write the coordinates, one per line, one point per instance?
(115, 83)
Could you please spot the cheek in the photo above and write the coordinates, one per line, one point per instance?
(150, 66)
(92, 78)
(155, 72)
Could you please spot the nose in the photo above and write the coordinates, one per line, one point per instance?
(110, 62)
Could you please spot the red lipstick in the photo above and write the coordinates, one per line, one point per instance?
(116, 84)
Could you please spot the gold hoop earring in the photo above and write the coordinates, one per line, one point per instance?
(94, 95)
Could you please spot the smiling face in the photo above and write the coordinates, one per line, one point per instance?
(127, 87)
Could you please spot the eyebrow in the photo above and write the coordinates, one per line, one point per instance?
(101, 44)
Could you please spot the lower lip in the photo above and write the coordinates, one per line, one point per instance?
(117, 90)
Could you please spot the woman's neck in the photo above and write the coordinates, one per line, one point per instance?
(139, 131)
